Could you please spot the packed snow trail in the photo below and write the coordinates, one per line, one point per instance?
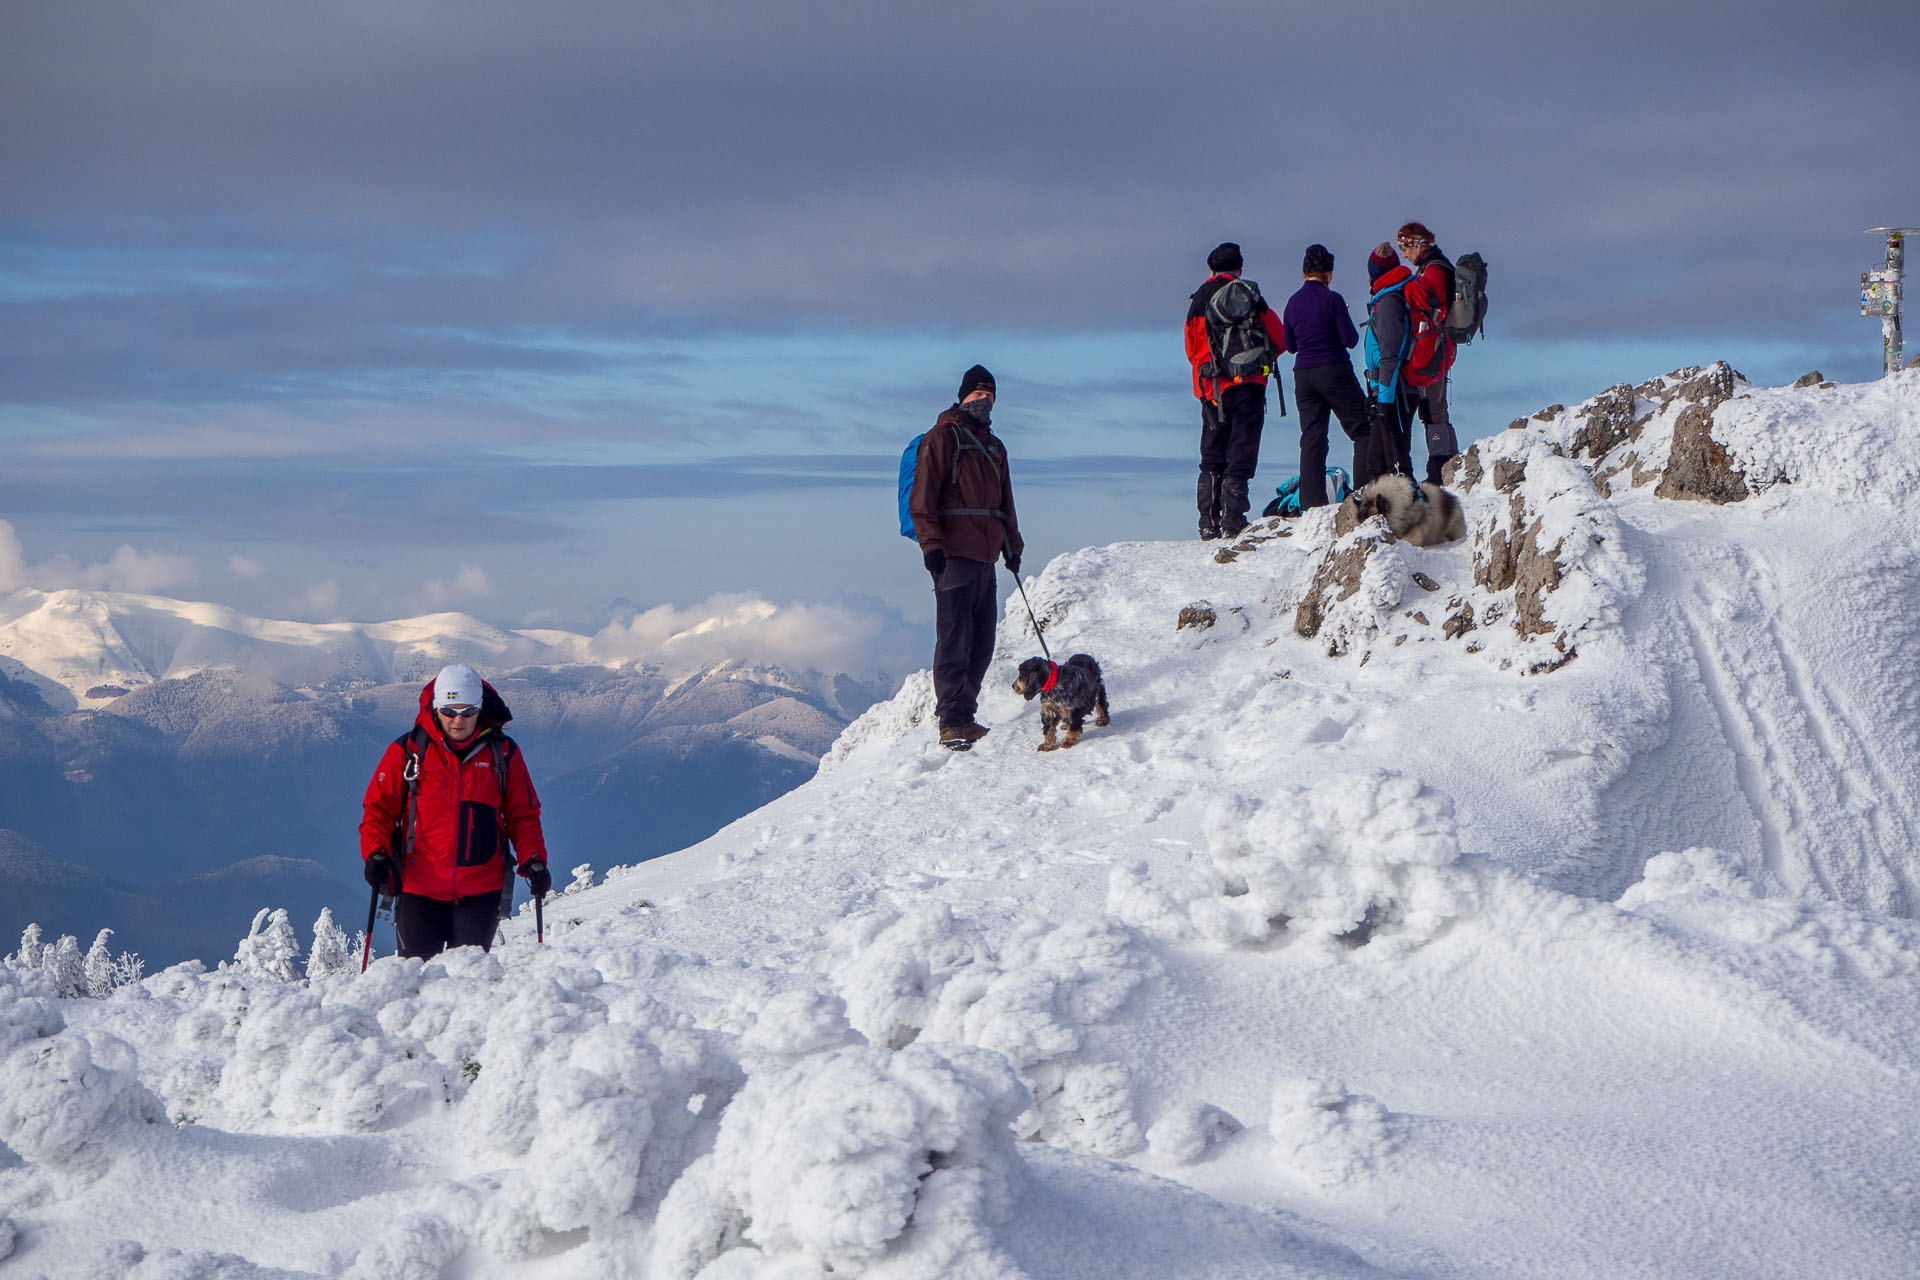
(1389, 960)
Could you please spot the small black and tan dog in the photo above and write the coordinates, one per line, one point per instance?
(1068, 692)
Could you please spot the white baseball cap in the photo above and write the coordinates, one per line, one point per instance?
(456, 686)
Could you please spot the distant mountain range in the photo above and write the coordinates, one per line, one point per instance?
(168, 767)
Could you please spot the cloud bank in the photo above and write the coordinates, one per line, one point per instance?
(868, 641)
(127, 570)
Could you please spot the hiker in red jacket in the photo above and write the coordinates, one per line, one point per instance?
(1432, 284)
(442, 845)
(1232, 408)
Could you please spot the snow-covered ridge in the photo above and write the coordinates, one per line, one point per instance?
(1579, 948)
(89, 647)
(85, 648)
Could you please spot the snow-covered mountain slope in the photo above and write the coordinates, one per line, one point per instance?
(1533, 906)
(97, 645)
(175, 780)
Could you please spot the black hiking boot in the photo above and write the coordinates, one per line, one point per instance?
(1233, 507)
(1207, 498)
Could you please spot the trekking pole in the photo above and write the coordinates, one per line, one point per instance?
(366, 950)
(1031, 618)
(539, 920)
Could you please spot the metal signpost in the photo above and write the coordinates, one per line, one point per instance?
(1880, 290)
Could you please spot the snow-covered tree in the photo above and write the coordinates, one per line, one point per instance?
(127, 969)
(330, 954)
(270, 949)
(31, 947)
(582, 878)
(98, 966)
(66, 965)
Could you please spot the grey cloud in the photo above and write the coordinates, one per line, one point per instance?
(893, 164)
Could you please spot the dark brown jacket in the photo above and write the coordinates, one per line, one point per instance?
(949, 474)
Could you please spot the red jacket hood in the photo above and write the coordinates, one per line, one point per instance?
(493, 708)
(1391, 278)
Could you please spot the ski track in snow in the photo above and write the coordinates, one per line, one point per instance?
(1399, 963)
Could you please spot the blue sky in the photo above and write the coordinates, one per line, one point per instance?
(552, 312)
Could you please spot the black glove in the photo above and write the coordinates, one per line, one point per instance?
(1013, 564)
(935, 560)
(539, 879)
(381, 874)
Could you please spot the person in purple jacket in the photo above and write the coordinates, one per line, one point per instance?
(1320, 333)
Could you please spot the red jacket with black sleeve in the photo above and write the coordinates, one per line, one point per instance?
(463, 812)
(1199, 351)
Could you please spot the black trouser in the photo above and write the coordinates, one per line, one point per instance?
(427, 926)
(1442, 445)
(1328, 388)
(1229, 452)
(1389, 450)
(1230, 430)
(964, 616)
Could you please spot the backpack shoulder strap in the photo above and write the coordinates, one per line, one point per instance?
(414, 744)
(502, 747)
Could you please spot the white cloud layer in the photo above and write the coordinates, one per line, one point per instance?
(742, 627)
(129, 569)
(470, 583)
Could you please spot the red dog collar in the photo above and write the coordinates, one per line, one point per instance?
(1053, 676)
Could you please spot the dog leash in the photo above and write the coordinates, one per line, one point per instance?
(1036, 622)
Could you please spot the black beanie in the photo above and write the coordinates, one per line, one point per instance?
(974, 379)
(1316, 261)
(1225, 258)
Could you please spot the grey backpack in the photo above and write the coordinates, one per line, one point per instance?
(1468, 313)
(1235, 334)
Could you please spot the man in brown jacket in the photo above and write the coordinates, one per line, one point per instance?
(962, 509)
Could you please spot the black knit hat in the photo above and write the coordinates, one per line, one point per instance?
(1317, 260)
(1225, 258)
(974, 379)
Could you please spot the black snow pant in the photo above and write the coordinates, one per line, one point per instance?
(1431, 402)
(1318, 392)
(1389, 447)
(1229, 452)
(427, 926)
(965, 611)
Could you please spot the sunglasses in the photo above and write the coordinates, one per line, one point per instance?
(459, 713)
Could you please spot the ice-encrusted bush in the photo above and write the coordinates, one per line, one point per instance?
(863, 1161)
(590, 1096)
(270, 949)
(1029, 994)
(1325, 1134)
(332, 951)
(1186, 1131)
(107, 972)
(70, 1099)
(1367, 859)
(66, 966)
(31, 947)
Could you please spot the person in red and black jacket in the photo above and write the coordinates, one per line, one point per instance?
(444, 853)
(1432, 284)
(1232, 410)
